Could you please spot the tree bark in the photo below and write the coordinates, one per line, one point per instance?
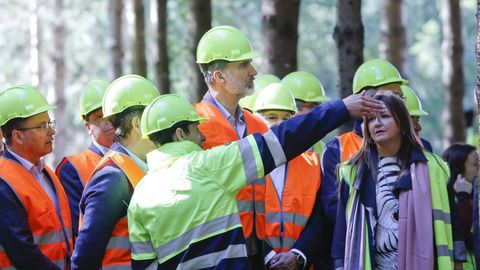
(139, 60)
(393, 41)
(452, 73)
(114, 43)
(199, 22)
(279, 36)
(36, 67)
(477, 94)
(162, 70)
(58, 57)
(348, 35)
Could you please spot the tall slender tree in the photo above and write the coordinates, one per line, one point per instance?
(139, 61)
(393, 41)
(279, 36)
(115, 44)
(199, 22)
(36, 67)
(452, 72)
(348, 35)
(161, 66)
(58, 57)
(477, 93)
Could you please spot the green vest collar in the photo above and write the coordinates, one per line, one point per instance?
(166, 154)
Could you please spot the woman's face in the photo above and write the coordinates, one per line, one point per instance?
(471, 166)
(384, 129)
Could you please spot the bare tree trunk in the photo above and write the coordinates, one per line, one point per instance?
(279, 36)
(393, 41)
(139, 59)
(115, 46)
(348, 35)
(35, 43)
(58, 56)
(199, 22)
(162, 70)
(452, 73)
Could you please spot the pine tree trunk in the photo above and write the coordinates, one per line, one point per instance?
(199, 22)
(452, 73)
(115, 46)
(58, 56)
(348, 35)
(35, 44)
(279, 36)
(477, 94)
(139, 59)
(162, 70)
(393, 41)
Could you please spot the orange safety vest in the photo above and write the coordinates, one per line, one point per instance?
(117, 252)
(250, 199)
(286, 218)
(83, 162)
(51, 234)
(350, 144)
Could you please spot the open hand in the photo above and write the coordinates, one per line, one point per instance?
(359, 105)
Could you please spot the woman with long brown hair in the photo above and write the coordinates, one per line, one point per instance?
(392, 193)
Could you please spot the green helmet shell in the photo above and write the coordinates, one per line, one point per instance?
(374, 73)
(260, 82)
(275, 96)
(22, 101)
(224, 43)
(305, 87)
(127, 91)
(165, 111)
(412, 102)
(92, 96)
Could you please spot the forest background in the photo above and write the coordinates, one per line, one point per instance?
(60, 45)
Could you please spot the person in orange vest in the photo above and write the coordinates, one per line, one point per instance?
(103, 229)
(224, 55)
(290, 194)
(74, 171)
(35, 225)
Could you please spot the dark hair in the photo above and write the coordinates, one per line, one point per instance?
(368, 153)
(9, 127)
(456, 155)
(208, 69)
(166, 136)
(122, 122)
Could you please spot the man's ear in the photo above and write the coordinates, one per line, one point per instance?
(18, 137)
(136, 124)
(179, 135)
(87, 126)
(218, 76)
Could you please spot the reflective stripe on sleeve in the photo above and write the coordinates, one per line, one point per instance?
(275, 148)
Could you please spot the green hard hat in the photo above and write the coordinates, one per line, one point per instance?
(22, 101)
(92, 96)
(305, 87)
(165, 111)
(127, 91)
(275, 96)
(224, 43)
(374, 73)
(412, 102)
(260, 82)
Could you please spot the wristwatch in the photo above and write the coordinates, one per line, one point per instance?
(299, 259)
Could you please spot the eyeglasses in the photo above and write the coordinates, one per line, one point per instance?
(45, 126)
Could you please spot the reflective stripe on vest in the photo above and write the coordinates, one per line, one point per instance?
(218, 131)
(117, 253)
(52, 234)
(287, 216)
(177, 245)
(350, 143)
(85, 163)
(213, 259)
(438, 176)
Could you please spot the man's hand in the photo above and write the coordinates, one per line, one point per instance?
(359, 105)
(284, 261)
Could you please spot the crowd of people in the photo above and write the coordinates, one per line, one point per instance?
(239, 180)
